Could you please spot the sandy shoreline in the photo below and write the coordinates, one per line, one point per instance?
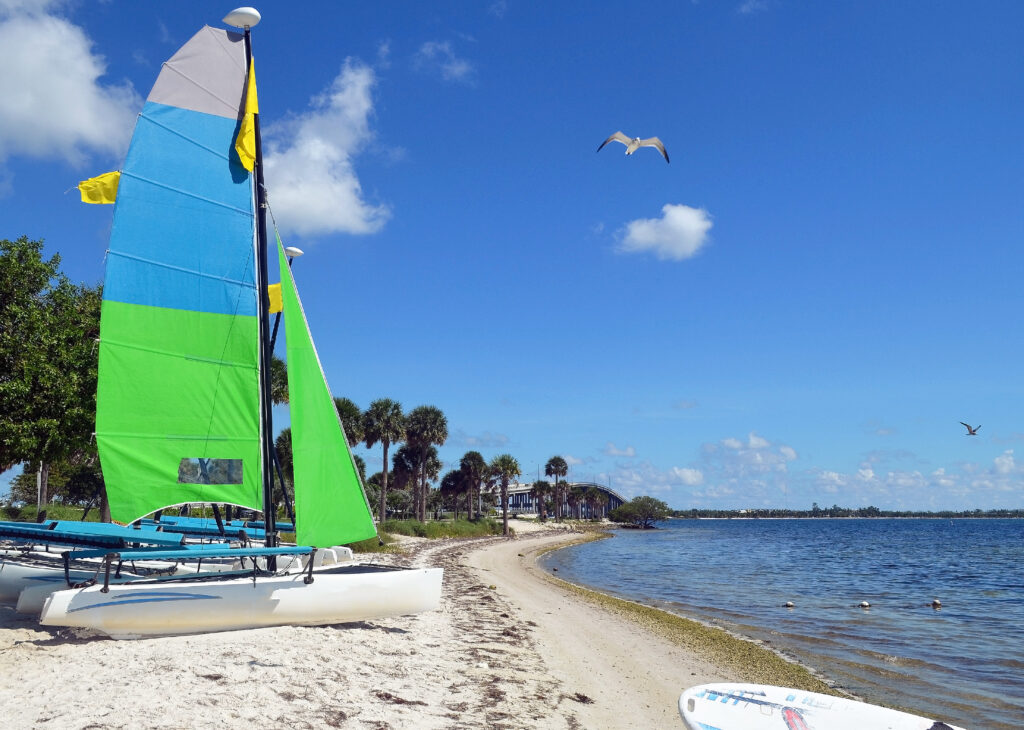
(508, 649)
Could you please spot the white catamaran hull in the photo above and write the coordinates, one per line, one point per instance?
(18, 575)
(163, 608)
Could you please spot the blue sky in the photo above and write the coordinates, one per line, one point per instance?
(800, 308)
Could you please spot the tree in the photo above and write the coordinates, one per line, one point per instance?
(360, 467)
(472, 464)
(48, 331)
(426, 427)
(283, 447)
(641, 512)
(451, 487)
(383, 422)
(598, 500)
(351, 420)
(505, 468)
(540, 491)
(575, 499)
(557, 467)
(278, 381)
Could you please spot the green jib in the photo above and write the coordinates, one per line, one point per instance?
(330, 504)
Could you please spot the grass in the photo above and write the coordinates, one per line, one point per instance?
(438, 529)
(53, 511)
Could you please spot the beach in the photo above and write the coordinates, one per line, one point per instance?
(509, 648)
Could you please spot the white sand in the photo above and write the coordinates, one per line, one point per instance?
(524, 654)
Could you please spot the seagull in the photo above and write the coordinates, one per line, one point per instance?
(971, 431)
(635, 143)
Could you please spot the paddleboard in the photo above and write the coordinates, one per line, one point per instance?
(763, 707)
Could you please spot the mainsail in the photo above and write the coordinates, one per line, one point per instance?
(178, 412)
(330, 505)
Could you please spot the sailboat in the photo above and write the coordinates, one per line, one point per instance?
(183, 407)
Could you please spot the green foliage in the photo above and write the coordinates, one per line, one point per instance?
(48, 330)
(283, 446)
(439, 529)
(53, 511)
(278, 380)
(351, 420)
(557, 467)
(69, 483)
(641, 512)
(383, 422)
(372, 545)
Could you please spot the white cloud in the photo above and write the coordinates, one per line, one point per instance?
(313, 184)
(438, 57)
(612, 450)
(679, 234)
(689, 477)
(572, 460)
(732, 443)
(486, 440)
(748, 7)
(756, 442)
(1004, 463)
(52, 103)
(684, 405)
(789, 452)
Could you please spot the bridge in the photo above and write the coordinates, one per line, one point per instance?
(595, 500)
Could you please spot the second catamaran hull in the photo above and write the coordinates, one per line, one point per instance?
(142, 609)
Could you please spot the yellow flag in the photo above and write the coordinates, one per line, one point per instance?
(100, 189)
(274, 293)
(245, 145)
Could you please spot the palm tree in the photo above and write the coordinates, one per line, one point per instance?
(505, 468)
(283, 447)
(575, 500)
(430, 471)
(426, 426)
(556, 467)
(278, 380)
(473, 466)
(383, 422)
(540, 491)
(598, 501)
(452, 485)
(351, 420)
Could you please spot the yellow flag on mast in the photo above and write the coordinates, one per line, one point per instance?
(274, 293)
(245, 144)
(100, 189)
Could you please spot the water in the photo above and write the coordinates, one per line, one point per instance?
(962, 663)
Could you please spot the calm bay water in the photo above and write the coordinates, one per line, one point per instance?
(963, 663)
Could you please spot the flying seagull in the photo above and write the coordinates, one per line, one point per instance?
(635, 143)
(971, 431)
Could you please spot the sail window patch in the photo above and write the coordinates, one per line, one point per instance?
(210, 471)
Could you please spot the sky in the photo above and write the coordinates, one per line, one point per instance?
(801, 307)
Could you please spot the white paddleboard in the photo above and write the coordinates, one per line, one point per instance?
(763, 707)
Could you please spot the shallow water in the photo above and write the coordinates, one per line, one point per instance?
(962, 663)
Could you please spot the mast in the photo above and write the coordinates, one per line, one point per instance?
(246, 18)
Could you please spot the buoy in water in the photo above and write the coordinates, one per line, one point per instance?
(789, 604)
(865, 604)
(936, 603)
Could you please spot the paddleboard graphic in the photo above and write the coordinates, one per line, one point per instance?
(764, 707)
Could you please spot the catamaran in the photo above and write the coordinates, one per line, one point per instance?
(183, 396)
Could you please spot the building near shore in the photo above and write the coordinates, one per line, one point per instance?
(583, 500)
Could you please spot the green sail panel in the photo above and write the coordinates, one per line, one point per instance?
(177, 416)
(330, 504)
